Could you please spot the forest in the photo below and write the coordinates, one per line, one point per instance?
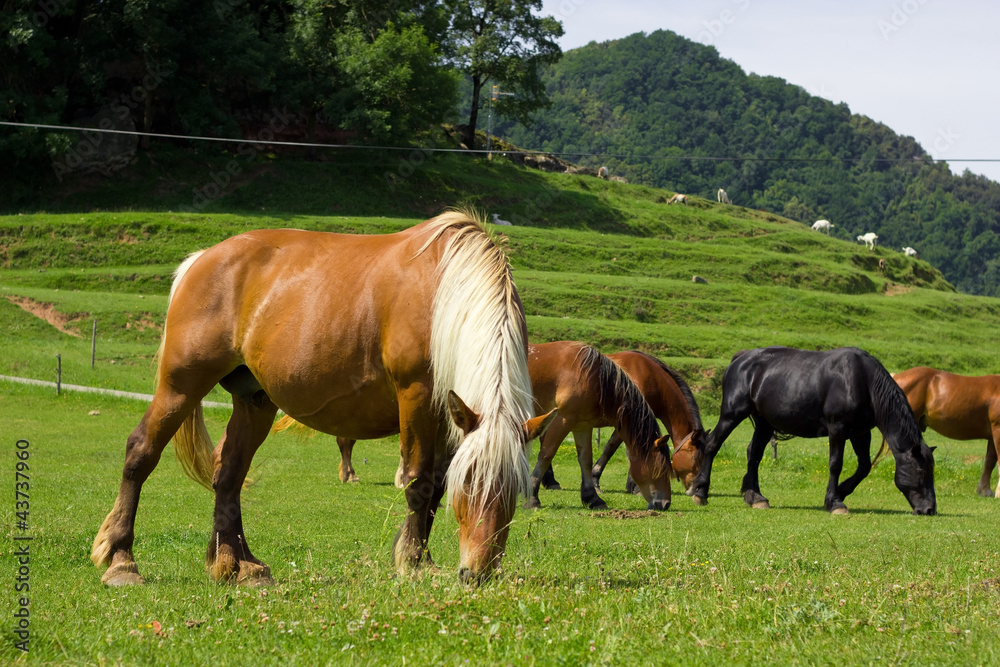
(657, 109)
(650, 99)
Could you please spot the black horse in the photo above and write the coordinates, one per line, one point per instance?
(841, 394)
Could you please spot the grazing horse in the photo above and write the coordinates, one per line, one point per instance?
(822, 226)
(589, 391)
(869, 240)
(910, 252)
(671, 400)
(603, 173)
(840, 394)
(723, 197)
(419, 333)
(882, 265)
(678, 199)
(958, 407)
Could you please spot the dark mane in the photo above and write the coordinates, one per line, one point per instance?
(617, 390)
(682, 385)
(893, 414)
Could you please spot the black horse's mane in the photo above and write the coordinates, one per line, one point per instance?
(890, 404)
(682, 385)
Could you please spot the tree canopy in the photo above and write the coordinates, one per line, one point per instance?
(659, 99)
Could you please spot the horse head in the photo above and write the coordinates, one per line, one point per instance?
(652, 474)
(915, 478)
(687, 457)
(483, 525)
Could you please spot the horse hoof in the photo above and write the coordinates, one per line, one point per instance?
(254, 574)
(698, 500)
(840, 511)
(985, 492)
(554, 486)
(689, 491)
(761, 505)
(123, 574)
(532, 504)
(597, 505)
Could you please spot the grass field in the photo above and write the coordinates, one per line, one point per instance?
(695, 585)
(600, 262)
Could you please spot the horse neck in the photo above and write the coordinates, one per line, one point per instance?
(893, 415)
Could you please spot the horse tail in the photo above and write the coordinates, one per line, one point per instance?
(288, 423)
(893, 415)
(478, 349)
(633, 416)
(192, 443)
(883, 451)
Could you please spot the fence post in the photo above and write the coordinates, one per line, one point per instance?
(58, 374)
(93, 344)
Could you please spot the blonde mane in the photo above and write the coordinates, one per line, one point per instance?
(478, 351)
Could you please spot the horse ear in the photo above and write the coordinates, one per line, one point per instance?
(462, 414)
(535, 427)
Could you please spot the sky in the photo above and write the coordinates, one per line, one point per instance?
(929, 69)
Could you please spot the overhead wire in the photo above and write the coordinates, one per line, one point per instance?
(577, 154)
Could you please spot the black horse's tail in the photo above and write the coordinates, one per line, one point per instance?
(893, 415)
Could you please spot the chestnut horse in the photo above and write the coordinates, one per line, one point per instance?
(585, 388)
(958, 407)
(672, 402)
(419, 333)
(588, 391)
(840, 394)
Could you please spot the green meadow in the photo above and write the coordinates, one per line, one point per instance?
(605, 263)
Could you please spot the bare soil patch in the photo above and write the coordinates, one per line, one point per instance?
(48, 312)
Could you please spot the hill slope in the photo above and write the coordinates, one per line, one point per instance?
(660, 96)
(599, 261)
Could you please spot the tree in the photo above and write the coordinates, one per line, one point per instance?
(504, 42)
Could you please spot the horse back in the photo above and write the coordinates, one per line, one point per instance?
(800, 392)
(316, 317)
(957, 406)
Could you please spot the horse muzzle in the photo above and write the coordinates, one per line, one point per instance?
(658, 502)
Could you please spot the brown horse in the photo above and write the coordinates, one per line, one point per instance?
(958, 407)
(589, 391)
(592, 398)
(361, 336)
(672, 402)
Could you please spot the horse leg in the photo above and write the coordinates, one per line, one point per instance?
(585, 455)
(990, 462)
(346, 470)
(113, 543)
(861, 442)
(612, 445)
(727, 423)
(755, 452)
(418, 438)
(549, 482)
(547, 447)
(228, 557)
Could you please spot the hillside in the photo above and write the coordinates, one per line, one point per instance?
(598, 261)
(660, 96)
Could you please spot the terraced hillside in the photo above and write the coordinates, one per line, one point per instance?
(598, 261)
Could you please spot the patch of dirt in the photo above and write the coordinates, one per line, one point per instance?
(625, 514)
(972, 458)
(143, 322)
(896, 290)
(48, 312)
